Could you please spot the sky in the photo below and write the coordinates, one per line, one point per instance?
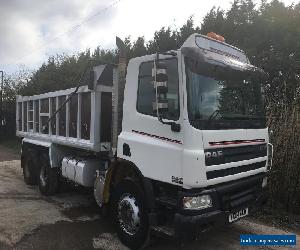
(33, 30)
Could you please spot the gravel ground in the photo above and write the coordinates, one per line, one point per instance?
(71, 220)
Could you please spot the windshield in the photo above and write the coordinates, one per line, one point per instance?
(224, 102)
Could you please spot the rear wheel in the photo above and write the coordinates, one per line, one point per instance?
(48, 177)
(130, 214)
(29, 166)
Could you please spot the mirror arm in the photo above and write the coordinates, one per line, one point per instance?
(163, 122)
(175, 127)
(171, 53)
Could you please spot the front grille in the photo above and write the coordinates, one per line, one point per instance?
(233, 154)
(239, 199)
(235, 170)
(239, 193)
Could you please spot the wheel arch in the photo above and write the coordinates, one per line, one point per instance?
(121, 169)
(55, 153)
(31, 147)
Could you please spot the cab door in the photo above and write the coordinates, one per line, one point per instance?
(151, 145)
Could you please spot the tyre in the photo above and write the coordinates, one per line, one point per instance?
(130, 214)
(30, 168)
(48, 177)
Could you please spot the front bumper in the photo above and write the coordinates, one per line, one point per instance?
(227, 198)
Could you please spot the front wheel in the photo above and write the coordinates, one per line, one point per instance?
(48, 178)
(130, 214)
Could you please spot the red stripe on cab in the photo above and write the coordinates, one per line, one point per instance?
(157, 137)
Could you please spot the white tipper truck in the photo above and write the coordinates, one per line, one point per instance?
(182, 146)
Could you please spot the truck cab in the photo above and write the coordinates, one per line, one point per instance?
(217, 104)
(213, 165)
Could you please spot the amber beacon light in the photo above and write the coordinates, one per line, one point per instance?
(215, 36)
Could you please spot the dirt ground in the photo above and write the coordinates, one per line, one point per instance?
(7, 154)
(72, 220)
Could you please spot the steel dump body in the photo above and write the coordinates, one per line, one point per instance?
(83, 122)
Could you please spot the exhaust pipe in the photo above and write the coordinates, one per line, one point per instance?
(118, 94)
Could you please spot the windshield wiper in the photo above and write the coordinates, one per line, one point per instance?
(212, 117)
(241, 117)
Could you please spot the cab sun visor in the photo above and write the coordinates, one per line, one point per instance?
(200, 62)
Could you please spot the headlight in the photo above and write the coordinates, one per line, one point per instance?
(197, 202)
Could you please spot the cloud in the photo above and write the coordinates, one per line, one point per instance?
(32, 30)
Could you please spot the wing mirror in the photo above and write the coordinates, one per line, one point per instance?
(160, 87)
(160, 107)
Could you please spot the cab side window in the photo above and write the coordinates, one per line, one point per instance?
(146, 90)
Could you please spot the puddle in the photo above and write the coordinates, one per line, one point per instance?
(75, 213)
(65, 235)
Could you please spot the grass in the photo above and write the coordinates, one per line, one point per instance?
(13, 143)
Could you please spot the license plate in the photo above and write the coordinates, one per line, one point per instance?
(237, 215)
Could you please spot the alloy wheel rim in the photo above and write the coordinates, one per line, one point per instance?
(129, 214)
